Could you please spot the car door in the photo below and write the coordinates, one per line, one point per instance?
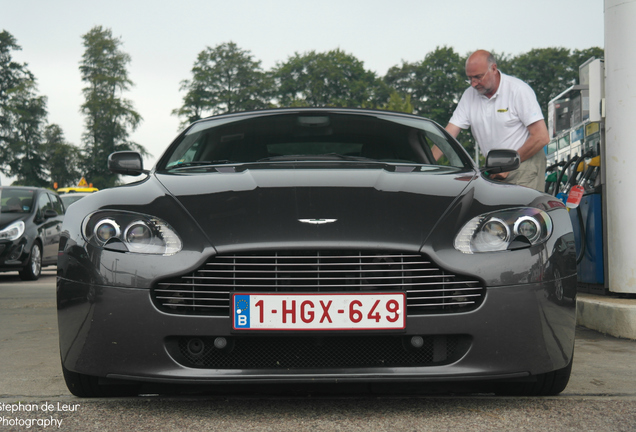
(48, 228)
(55, 230)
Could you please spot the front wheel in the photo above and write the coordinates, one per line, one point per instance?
(33, 268)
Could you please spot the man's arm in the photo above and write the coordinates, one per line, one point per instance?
(454, 130)
(538, 138)
(451, 129)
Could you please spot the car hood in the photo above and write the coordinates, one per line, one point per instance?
(7, 219)
(309, 207)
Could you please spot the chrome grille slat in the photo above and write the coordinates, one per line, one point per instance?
(437, 304)
(429, 289)
(346, 287)
(227, 306)
(190, 291)
(312, 271)
(318, 278)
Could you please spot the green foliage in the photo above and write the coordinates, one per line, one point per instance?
(399, 104)
(25, 156)
(334, 78)
(109, 117)
(434, 84)
(62, 158)
(22, 116)
(224, 79)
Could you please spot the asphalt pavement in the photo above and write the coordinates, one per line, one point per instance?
(601, 395)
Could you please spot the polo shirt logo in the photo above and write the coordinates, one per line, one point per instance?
(502, 110)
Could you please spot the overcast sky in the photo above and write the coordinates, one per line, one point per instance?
(164, 37)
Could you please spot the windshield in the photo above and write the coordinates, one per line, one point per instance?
(285, 137)
(16, 200)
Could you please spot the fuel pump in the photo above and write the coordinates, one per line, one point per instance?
(574, 172)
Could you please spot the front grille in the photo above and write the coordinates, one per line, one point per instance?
(429, 289)
(318, 352)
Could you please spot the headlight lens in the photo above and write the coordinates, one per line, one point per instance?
(13, 231)
(499, 230)
(106, 229)
(138, 233)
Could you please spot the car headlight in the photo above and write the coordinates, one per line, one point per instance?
(130, 232)
(13, 231)
(504, 230)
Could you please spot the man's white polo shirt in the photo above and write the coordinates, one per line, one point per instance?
(501, 121)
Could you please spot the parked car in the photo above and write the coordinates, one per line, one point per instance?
(30, 226)
(315, 245)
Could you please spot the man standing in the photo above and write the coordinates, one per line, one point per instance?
(503, 113)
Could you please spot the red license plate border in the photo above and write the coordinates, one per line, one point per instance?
(373, 330)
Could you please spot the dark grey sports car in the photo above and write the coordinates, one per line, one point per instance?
(315, 246)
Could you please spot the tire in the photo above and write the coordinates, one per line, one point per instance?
(89, 386)
(33, 269)
(547, 384)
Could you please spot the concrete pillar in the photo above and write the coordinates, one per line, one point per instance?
(620, 135)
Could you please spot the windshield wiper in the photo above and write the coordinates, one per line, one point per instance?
(318, 157)
(200, 164)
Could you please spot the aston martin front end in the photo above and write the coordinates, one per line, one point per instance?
(315, 245)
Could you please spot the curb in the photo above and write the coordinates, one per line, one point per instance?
(612, 316)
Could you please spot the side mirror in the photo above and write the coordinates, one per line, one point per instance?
(502, 160)
(126, 163)
(49, 213)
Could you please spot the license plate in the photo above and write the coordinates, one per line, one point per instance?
(359, 311)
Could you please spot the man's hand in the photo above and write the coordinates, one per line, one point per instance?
(499, 176)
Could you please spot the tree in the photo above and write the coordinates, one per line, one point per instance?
(109, 117)
(14, 77)
(434, 84)
(334, 78)
(22, 117)
(63, 159)
(224, 79)
(399, 104)
(25, 156)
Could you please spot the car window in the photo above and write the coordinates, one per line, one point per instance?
(56, 204)
(43, 204)
(328, 136)
(15, 200)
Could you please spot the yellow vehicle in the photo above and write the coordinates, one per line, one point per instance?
(76, 189)
(82, 186)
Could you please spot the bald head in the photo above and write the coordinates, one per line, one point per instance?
(482, 57)
(481, 70)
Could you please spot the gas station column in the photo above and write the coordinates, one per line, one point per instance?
(620, 139)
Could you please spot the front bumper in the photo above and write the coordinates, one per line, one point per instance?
(117, 332)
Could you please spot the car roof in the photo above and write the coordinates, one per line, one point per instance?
(307, 110)
(34, 188)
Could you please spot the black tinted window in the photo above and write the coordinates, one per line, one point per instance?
(299, 136)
